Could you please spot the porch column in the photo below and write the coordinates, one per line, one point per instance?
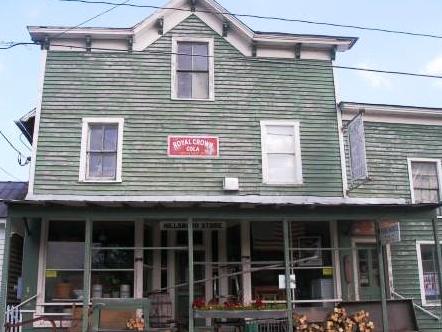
(87, 274)
(5, 271)
(222, 271)
(156, 273)
(208, 267)
(380, 253)
(245, 260)
(190, 254)
(287, 263)
(171, 242)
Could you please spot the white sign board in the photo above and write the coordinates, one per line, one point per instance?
(390, 231)
(358, 159)
(172, 225)
(282, 281)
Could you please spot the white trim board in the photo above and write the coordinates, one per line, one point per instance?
(252, 199)
(393, 114)
(211, 13)
(37, 123)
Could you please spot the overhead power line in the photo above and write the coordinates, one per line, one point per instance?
(363, 69)
(374, 70)
(20, 154)
(115, 5)
(273, 18)
(9, 174)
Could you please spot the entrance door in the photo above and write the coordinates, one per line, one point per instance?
(367, 271)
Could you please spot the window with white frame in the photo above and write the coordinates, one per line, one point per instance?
(101, 150)
(192, 68)
(424, 180)
(429, 282)
(281, 152)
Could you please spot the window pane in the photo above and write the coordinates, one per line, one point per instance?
(430, 278)
(109, 165)
(184, 85)
(200, 58)
(280, 130)
(426, 196)
(281, 168)
(280, 143)
(61, 286)
(184, 56)
(116, 284)
(110, 137)
(96, 138)
(95, 165)
(200, 85)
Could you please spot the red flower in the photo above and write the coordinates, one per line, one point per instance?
(259, 304)
(198, 303)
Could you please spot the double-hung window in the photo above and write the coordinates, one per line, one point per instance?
(192, 69)
(101, 150)
(429, 282)
(424, 177)
(281, 152)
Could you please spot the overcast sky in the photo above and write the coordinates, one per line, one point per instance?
(19, 67)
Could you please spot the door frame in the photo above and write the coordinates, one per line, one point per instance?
(368, 240)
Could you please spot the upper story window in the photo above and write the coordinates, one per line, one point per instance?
(192, 68)
(101, 150)
(424, 180)
(281, 152)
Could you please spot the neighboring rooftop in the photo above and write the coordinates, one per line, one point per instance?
(11, 191)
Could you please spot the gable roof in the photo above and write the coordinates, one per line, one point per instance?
(210, 12)
(11, 191)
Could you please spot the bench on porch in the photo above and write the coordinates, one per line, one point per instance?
(113, 315)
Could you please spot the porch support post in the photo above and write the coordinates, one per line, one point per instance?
(5, 272)
(438, 255)
(156, 272)
(288, 291)
(380, 253)
(190, 254)
(245, 260)
(87, 274)
(222, 257)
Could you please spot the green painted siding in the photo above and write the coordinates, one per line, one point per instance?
(388, 147)
(137, 87)
(405, 268)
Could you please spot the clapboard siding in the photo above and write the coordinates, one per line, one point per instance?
(405, 268)
(137, 87)
(388, 146)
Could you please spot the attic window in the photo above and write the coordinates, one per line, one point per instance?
(192, 69)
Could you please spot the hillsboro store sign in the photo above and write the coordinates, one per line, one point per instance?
(193, 146)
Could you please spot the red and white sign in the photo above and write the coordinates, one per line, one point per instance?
(193, 146)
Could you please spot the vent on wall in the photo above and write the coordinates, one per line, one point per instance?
(231, 184)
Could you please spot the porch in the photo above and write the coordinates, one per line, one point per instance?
(191, 262)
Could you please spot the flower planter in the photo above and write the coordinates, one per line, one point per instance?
(240, 314)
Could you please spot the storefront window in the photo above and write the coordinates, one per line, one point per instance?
(311, 265)
(113, 259)
(64, 262)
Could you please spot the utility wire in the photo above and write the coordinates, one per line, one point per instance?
(9, 174)
(115, 5)
(314, 65)
(273, 18)
(12, 44)
(20, 154)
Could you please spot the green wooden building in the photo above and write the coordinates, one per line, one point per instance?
(191, 160)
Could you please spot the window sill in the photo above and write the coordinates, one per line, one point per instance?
(193, 99)
(100, 181)
(280, 184)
